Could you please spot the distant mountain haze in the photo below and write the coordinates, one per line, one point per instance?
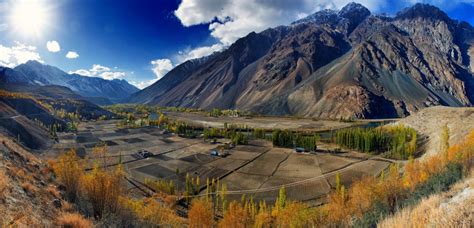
(36, 73)
(333, 64)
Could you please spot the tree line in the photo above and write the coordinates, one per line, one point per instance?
(397, 141)
(288, 139)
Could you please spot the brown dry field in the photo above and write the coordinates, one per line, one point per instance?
(267, 123)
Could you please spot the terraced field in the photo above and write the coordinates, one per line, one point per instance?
(257, 169)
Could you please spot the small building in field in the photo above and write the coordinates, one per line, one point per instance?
(299, 149)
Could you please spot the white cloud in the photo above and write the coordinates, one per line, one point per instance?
(199, 52)
(231, 19)
(161, 66)
(82, 72)
(98, 70)
(112, 75)
(72, 55)
(53, 46)
(144, 84)
(18, 54)
(3, 27)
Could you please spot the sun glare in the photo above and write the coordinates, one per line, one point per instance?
(29, 17)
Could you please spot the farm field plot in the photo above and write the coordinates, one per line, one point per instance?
(306, 177)
(358, 170)
(257, 169)
(299, 165)
(266, 164)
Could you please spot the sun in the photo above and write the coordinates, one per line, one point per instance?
(29, 17)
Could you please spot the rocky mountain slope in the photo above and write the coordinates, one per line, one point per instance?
(333, 64)
(35, 73)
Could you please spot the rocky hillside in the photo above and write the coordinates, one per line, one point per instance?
(27, 198)
(333, 64)
(35, 73)
(30, 115)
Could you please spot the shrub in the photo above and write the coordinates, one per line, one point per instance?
(53, 191)
(372, 216)
(4, 181)
(73, 220)
(29, 188)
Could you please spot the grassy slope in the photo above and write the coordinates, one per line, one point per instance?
(454, 208)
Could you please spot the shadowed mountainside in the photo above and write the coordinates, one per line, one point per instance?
(333, 64)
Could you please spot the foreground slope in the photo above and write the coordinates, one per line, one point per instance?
(448, 209)
(26, 196)
(334, 64)
(430, 121)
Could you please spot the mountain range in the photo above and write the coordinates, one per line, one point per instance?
(95, 89)
(333, 64)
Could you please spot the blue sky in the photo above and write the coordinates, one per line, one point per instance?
(140, 40)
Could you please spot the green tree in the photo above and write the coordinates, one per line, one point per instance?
(281, 198)
(338, 182)
(444, 139)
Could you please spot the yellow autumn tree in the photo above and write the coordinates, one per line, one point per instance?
(294, 214)
(103, 189)
(100, 155)
(362, 195)
(69, 170)
(263, 217)
(162, 119)
(236, 215)
(151, 212)
(200, 214)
